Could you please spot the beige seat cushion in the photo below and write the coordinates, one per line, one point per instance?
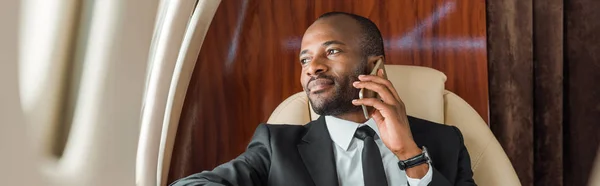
(293, 110)
(489, 162)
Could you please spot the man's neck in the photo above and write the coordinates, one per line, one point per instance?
(357, 117)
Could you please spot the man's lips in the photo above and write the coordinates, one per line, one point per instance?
(319, 84)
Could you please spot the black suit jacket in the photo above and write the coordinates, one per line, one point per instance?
(303, 155)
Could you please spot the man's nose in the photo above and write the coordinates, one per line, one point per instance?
(316, 67)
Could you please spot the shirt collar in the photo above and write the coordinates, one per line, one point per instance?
(342, 131)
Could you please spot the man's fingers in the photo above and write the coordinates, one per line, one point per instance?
(380, 89)
(379, 79)
(372, 102)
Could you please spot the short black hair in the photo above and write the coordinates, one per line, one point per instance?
(371, 40)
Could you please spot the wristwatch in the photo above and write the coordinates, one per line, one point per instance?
(415, 161)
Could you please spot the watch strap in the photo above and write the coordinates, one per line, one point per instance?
(415, 161)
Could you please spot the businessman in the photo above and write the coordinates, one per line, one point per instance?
(342, 147)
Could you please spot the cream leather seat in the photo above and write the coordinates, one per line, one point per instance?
(422, 90)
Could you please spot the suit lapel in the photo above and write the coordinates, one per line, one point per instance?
(316, 150)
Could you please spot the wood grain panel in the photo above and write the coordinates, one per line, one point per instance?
(248, 64)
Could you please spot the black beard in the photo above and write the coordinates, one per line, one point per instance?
(341, 100)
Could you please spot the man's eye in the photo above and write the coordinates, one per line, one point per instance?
(332, 51)
(303, 61)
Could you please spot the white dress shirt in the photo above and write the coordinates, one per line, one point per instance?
(348, 152)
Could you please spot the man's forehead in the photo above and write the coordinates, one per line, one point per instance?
(339, 27)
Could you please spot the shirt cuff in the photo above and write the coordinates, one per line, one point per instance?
(423, 181)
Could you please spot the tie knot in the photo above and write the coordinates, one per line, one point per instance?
(364, 132)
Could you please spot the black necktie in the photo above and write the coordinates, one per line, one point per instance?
(372, 164)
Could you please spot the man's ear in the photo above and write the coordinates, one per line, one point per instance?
(372, 60)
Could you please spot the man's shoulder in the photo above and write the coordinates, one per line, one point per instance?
(429, 128)
(284, 131)
(427, 125)
(284, 127)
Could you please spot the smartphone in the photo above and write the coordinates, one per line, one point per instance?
(366, 93)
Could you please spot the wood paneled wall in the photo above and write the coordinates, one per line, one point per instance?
(248, 64)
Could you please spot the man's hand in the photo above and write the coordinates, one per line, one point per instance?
(391, 119)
